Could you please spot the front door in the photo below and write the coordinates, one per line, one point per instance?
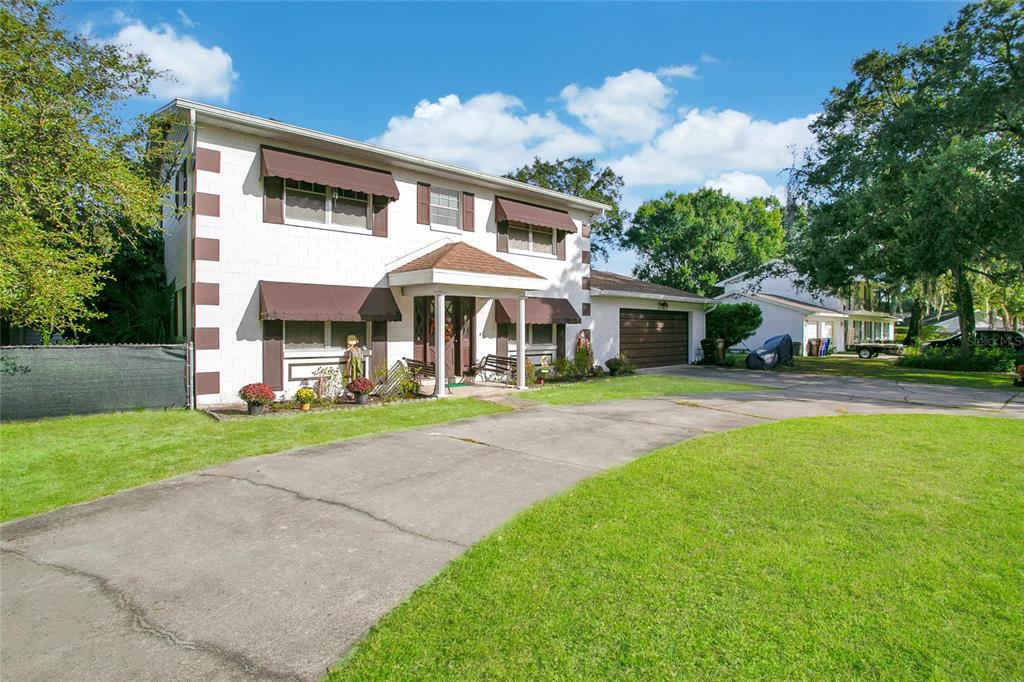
(460, 332)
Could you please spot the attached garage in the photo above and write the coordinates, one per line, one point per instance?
(654, 325)
(654, 338)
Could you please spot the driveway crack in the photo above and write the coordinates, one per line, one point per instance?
(343, 505)
(520, 453)
(142, 623)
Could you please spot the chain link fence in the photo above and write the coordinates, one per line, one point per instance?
(53, 381)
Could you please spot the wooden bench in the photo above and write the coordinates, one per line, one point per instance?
(496, 365)
(419, 369)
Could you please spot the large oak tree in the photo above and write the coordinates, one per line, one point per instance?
(918, 164)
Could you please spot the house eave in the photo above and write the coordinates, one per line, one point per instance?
(396, 158)
(609, 293)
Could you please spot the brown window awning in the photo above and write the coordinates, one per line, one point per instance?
(277, 163)
(538, 311)
(507, 210)
(292, 301)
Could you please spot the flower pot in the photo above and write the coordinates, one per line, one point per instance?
(362, 398)
(255, 409)
(304, 406)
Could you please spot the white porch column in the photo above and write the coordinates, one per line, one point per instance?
(521, 344)
(440, 380)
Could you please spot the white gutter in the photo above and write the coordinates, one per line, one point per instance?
(651, 297)
(395, 157)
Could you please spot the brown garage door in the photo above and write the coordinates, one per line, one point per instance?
(654, 338)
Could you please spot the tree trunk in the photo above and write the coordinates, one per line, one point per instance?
(913, 336)
(965, 310)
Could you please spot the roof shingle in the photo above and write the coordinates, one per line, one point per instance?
(462, 257)
(599, 279)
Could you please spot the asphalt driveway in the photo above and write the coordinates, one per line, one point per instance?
(271, 567)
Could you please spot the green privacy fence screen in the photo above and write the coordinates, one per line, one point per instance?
(51, 381)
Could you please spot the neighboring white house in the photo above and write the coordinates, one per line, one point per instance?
(789, 309)
(284, 241)
(949, 322)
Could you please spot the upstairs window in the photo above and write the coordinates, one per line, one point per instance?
(311, 203)
(305, 201)
(349, 208)
(533, 240)
(444, 207)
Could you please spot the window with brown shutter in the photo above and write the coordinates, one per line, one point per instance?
(380, 216)
(422, 203)
(468, 212)
(273, 200)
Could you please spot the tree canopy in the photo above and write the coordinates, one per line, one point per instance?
(582, 178)
(691, 241)
(76, 178)
(918, 161)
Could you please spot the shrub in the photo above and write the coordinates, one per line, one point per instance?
(531, 373)
(733, 322)
(736, 360)
(597, 371)
(360, 386)
(305, 395)
(563, 368)
(257, 394)
(582, 361)
(981, 360)
(620, 365)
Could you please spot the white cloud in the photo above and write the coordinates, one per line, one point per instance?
(708, 142)
(743, 186)
(709, 59)
(185, 20)
(490, 132)
(678, 71)
(194, 70)
(626, 108)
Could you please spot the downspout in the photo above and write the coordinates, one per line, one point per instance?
(190, 262)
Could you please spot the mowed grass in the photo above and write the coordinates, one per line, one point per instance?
(883, 368)
(632, 386)
(53, 462)
(832, 548)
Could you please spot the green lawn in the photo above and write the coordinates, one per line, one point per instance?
(883, 368)
(830, 548)
(632, 386)
(53, 462)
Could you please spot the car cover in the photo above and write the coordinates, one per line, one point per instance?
(775, 350)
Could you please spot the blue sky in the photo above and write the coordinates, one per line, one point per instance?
(671, 95)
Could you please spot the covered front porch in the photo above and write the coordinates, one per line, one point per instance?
(446, 284)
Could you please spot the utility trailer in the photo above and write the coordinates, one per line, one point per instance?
(869, 349)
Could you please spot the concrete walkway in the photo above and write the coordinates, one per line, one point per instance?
(270, 567)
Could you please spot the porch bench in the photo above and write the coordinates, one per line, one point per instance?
(496, 365)
(419, 369)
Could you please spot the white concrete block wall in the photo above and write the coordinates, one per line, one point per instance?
(605, 333)
(251, 250)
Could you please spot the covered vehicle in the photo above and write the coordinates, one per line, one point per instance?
(775, 350)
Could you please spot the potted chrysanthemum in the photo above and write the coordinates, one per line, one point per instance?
(361, 388)
(304, 397)
(256, 396)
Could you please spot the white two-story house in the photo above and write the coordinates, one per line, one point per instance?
(282, 242)
(787, 308)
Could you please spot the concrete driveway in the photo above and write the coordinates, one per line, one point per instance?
(271, 567)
